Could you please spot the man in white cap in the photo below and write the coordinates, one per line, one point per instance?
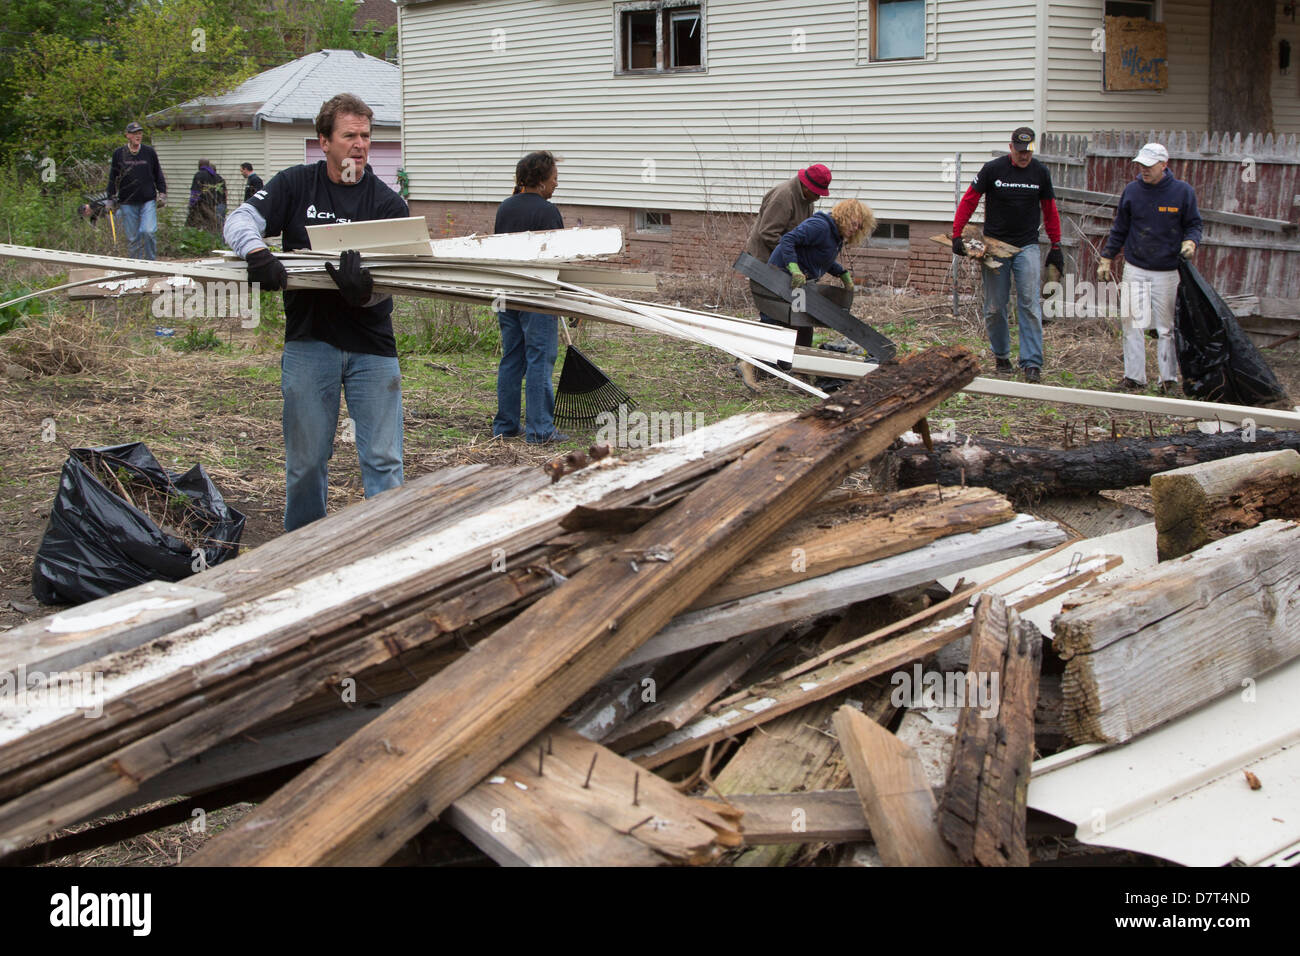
(1156, 222)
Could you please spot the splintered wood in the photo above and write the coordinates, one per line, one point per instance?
(982, 813)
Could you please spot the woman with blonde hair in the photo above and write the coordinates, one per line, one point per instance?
(811, 250)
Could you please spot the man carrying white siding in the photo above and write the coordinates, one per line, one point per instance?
(1156, 222)
(783, 207)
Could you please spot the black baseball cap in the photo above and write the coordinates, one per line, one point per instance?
(1023, 139)
(134, 127)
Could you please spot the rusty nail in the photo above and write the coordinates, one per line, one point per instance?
(541, 756)
(641, 824)
(550, 744)
(636, 789)
(586, 783)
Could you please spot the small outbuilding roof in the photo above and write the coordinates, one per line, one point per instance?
(295, 91)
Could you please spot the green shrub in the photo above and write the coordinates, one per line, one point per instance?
(197, 340)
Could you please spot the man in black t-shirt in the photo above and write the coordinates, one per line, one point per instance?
(529, 340)
(333, 340)
(1017, 191)
(136, 190)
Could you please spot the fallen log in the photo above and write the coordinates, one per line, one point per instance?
(1205, 502)
(1145, 649)
(364, 799)
(1028, 473)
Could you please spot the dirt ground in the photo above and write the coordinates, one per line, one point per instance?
(221, 407)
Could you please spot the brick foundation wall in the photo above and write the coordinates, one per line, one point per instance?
(708, 243)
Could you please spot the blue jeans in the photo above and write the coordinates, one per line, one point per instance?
(530, 343)
(140, 221)
(1029, 307)
(311, 376)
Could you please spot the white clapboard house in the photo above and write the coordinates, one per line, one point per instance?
(664, 111)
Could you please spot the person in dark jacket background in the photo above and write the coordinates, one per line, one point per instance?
(529, 340)
(812, 249)
(252, 181)
(136, 188)
(207, 199)
(1156, 223)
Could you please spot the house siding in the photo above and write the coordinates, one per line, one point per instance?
(179, 153)
(712, 141)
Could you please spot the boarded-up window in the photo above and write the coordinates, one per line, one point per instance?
(1136, 54)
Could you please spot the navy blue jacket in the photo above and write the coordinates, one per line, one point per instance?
(1152, 222)
(814, 244)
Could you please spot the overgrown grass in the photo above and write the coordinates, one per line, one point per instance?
(431, 326)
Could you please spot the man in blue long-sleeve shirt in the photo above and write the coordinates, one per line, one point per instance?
(1156, 222)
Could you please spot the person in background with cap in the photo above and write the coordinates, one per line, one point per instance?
(783, 208)
(136, 187)
(1156, 222)
(1019, 196)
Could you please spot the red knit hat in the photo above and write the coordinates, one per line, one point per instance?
(817, 179)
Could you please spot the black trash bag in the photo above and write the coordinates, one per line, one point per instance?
(97, 543)
(1218, 362)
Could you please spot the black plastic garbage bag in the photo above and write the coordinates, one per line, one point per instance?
(98, 543)
(1218, 362)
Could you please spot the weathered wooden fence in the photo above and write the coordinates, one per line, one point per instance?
(1247, 189)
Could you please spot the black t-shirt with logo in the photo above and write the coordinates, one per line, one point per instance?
(303, 196)
(1011, 199)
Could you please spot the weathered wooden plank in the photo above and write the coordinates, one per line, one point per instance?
(691, 692)
(982, 811)
(948, 555)
(523, 677)
(815, 816)
(1205, 502)
(1145, 649)
(895, 797)
(118, 622)
(765, 701)
(794, 753)
(615, 815)
(866, 530)
(475, 540)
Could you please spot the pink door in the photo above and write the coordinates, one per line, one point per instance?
(385, 158)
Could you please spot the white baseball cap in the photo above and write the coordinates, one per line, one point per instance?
(1150, 154)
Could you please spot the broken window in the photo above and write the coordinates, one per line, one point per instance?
(897, 29)
(649, 220)
(659, 37)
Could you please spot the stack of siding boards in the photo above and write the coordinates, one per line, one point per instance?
(548, 271)
(685, 655)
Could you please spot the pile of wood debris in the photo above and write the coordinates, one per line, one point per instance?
(692, 654)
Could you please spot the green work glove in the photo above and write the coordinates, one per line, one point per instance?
(847, 279)
(797, 278)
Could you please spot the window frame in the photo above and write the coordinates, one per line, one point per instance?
(661, 9)
(873, 35)
(643, 226)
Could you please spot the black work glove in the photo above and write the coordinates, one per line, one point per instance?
(355, 283)
(266, 270)
(958, 247)
(1055, 258)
